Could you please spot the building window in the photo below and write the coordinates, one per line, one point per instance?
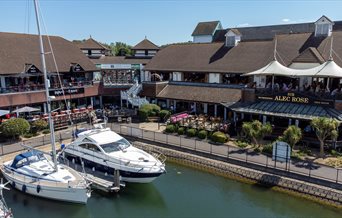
(146, 52)
(89, 52)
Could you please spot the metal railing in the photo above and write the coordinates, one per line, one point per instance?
(228, 152)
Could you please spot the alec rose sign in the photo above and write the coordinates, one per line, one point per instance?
(292, 98)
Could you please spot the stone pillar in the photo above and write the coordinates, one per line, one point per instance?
(2, 82)
(45, 107)
(17, 109)
(234, 116)
(264, 119)
(174, 105)
(167, 103)
(290, 122)
(242, 116)
(205, 108)
(297, 123)
(92, 101)
(225, 114)
(195, 107)
(215, 110)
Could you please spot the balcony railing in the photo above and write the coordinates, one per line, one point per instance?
(34, 87)
(117, 82)
(318, 95)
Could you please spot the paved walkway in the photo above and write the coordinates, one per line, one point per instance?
(153, 133)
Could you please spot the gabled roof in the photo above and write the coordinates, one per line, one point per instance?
(309, 55)
(247, 56)
(91, 44)
(235, 31)
(145, 45)
(325, 17)
(205, 28)
(18, 50)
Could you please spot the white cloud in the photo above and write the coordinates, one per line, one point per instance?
(243, 25)
(286, 20)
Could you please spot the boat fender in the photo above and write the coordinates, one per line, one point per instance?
(13, 184)
(23, 188)
(38, 188)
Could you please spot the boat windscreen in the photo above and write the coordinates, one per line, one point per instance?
(115, 146)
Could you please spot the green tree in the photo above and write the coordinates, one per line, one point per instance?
(15, 127)
(120, 49)
(256, 131)
(292, 135)
(325, 128)
(39, 124)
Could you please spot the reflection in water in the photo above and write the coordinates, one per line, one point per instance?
(182, 192)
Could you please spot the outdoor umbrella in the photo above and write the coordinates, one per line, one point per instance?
(26, 109)
(3, 112)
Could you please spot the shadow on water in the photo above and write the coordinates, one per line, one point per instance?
(25, 205)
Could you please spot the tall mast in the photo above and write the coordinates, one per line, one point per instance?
(48, 99)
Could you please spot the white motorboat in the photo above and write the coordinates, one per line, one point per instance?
(104, 150)
(41, 175)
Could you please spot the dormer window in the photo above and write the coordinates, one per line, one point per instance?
(323, 26)
(233, 37)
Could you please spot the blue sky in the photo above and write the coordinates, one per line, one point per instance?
(162, 21)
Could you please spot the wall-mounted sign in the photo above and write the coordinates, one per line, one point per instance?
(32, 69)
(292, 97)
(67, 91)
(116, 66)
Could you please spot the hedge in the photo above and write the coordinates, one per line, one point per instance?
(170, 128)
(181, 131)
(219, 137)
(164, 114)
(39, 125)
(191, 132)
(202, 134)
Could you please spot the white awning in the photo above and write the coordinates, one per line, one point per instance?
(274, 68)
(327, 69)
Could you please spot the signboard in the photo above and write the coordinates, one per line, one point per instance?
(281, 151)
(136, 66)
(67, 91)
(32, 69)
(292, 97)
(116, 66)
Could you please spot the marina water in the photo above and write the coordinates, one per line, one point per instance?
(182, 192)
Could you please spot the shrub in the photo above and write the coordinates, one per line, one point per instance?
(152, 113)
(181, 131)
(39, 125)
(219, 137)
(202, 134)
(15, 127)
(46, 131)
(143, 114)
(241, 144)
(191, 132)
(164, 114)
(170, 128)
(268, 149)
(28, 135)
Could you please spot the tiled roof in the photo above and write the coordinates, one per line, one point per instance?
(205, 28)
(20, 49)
(247, 56)
(91, 44)
(200, 93)
(145, 45)
(309, 55)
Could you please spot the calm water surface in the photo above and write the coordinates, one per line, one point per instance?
(182, 192)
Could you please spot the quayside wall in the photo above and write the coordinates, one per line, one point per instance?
(311, 191)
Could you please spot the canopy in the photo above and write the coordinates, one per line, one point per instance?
(3, 112)
(27, 155)
(274, 68)
(327, 69)
(26, 109)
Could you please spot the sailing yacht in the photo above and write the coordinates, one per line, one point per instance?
(38, 173)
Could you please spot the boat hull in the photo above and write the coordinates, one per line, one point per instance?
(130, 176)
(49, 190)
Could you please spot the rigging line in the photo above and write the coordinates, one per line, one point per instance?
(337, 55)
(56, 66)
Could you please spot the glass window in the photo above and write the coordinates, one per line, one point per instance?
(115, 146)
(91, 147)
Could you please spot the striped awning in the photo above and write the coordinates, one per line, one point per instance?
(289, 110)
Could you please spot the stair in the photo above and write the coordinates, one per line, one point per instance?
(131, 95)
